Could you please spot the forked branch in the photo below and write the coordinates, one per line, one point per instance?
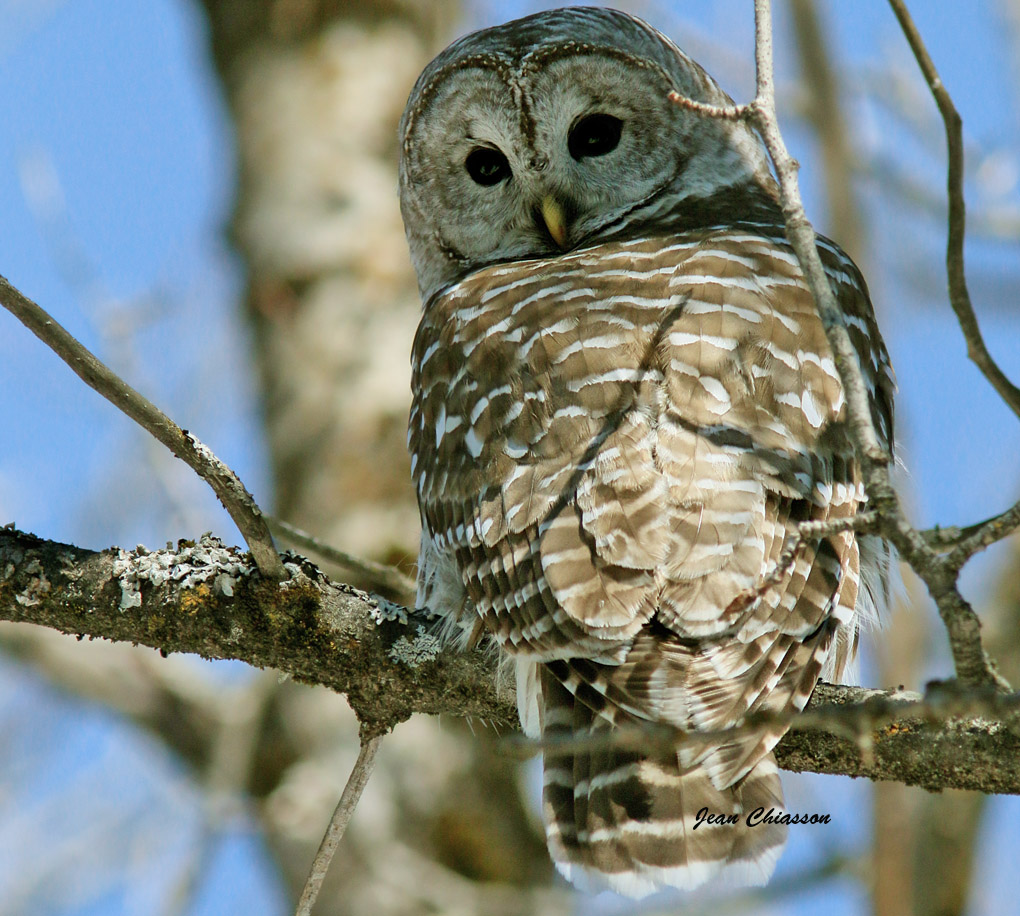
(225, 483)
(959, 295)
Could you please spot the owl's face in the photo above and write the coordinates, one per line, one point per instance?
(555, 131)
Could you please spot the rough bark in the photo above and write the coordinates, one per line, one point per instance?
(206, 599)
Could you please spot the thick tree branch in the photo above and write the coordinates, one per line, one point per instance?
(934, 741)
(226, 484)
(206, 599)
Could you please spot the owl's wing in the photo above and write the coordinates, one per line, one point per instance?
(771, 450)
(635, 431)
(753, 441)
(532, 434)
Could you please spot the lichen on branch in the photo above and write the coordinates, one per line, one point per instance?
(206, 598)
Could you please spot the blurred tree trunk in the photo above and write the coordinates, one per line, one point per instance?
(316, 88)
(900, 652)
(824, 113)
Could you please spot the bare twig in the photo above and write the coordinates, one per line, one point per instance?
(762, 115)
(379, 574)
(225, 483)
(946, 537)
(978, 537)
(862, 523)
(959, 296)
(825, 113)
(723, 113)
(363, 767)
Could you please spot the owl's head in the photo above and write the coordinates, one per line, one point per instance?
(556, 131)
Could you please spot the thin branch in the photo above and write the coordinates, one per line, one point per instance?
(390, 666)
(723, 113)
(225, 483)
(378, 574)
(970, 660)
(978, 537)
(986, 533)
(959, 296)
(825, 112)
(803, 239)
(349, 799)
(862, 523)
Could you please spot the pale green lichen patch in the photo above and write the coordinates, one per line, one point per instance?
(208, 561)
(37, 587)
(424, 647)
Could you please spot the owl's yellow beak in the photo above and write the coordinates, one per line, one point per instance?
(555, 220)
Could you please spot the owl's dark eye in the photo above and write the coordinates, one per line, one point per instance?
(594, 135)
(487, 166)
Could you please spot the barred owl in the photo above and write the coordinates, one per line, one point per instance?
(623, 406)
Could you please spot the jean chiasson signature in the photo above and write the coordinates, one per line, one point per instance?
(760, 816)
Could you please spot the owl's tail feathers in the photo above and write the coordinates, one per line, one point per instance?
(636, 822)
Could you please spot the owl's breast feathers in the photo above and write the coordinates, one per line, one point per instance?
(612, 450)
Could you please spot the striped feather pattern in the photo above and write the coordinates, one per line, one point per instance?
(629, 821)
(612, 449)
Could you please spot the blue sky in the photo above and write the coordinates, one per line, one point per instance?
(116, 180)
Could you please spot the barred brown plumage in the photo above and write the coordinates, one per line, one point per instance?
(612, 447)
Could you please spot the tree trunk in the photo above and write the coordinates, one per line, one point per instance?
(316, 89)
